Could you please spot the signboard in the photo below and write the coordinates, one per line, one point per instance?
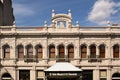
(63, 74)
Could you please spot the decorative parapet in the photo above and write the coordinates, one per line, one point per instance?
(52, 30)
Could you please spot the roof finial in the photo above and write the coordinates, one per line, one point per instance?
(45, 23)
(53, 12)
(77, 24)
(69, 12)
(108, 23)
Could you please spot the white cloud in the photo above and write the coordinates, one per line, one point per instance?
(22, 10)
(102, 11)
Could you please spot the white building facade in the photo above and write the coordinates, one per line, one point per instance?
(26, 52)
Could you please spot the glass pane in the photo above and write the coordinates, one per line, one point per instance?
(70, 55)
(39, 55)
(83, 55)
(103, 73)
(40, 74)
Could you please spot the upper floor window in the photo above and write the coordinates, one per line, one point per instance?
(102, 51)
(29, 51)
(39, 51)
(70, 51)
(61, 51)
(51, 51)
(20, 50)
(61, 24)
(6, 51)
(92, 51)
(83, 51)
(116, 51)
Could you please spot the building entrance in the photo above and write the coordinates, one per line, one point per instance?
(24, 75)
(87, 75)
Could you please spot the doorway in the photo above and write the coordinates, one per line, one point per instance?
(24, 75)
(87, 75)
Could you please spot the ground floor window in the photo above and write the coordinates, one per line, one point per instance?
(24, 74)
(40, 75)
(103, 75)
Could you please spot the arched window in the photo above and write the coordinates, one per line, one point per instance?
(20, 50)
(61, 51)
(92, 51)
(116, 76)
(102, 51)
(29, 51)
(39, 51)
(6, 76)
(6, 51)
(70, 51)
(51, 51)
(83, 51)
(116, 51)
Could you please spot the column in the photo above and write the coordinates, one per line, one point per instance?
(88, 51)
(48, 53)
(34, 51)
(66, 52)
(109, 76)
(97, 51)
(34, 54)
(45, 51)
(33, 74)
(56, 51)
(15, 73)
(25, 51)
(119, 51)
(96, 74)
(1, 55)
(111, 54)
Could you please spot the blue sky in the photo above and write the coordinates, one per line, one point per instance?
(87, 12)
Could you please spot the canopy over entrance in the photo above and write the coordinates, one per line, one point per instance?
(63, 67)
(63, 71)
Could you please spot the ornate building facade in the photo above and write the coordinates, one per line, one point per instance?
(60, 51)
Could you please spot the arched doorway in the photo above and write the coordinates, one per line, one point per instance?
(6, 76)
(116, 76)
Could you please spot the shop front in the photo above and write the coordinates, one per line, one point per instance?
(63, 71)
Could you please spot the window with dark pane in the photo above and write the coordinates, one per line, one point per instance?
(102, 51)
(20, 51)
(29, 51)
(92, 51)
(39, 51)
(115, 51)
(71, 51)
(83, 51)
(6, 50)
(61, 51)
(24, 74)
(51, 51)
